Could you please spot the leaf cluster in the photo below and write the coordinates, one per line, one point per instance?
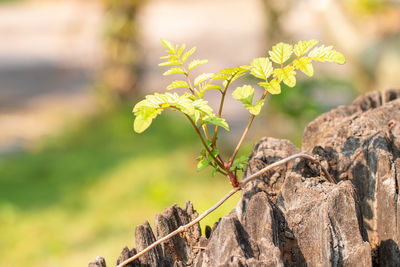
(280, 65)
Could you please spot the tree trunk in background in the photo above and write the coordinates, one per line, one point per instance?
(121, 52)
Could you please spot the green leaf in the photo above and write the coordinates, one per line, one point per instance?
(180, 51)
(141, 124)
(304, 64)
(170, 62)
(173, 71)
(256, 108)
(244, 94)
(211, 86)
(196, 63)
(303, 46)
(216, 121)
(274, 87)
(280, 53)
(287, 75)
(202, 164)
(202, 106)
(187, 54)
(202, 78)
(215, 152)
(185, 105)
(168, 45)
(177, 84)
(153, 105)
(327, 53)
(239, 163)
(261, 68)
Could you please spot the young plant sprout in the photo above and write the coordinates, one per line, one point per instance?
(287, 59)
(280, 66)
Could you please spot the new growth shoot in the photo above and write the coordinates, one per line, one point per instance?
(280, 65)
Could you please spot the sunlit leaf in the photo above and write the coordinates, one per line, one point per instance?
(141, 124)
(261, 68)
(216, 121)
(212, 86)
(180, 51)
(177, 84)
(187, 54)
(303, 46)
(239, 163)
(304, 64)
(173, 71)
(196, 63)
(202, 78)
(202, 164)
(256, 108)
(168, 45)
(287, 75)
(280, 53)
(244, 94)
(274, 87)
(170, 62)
(202, 105)
(326, 53)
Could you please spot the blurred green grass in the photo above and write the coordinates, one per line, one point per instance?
(81, 193)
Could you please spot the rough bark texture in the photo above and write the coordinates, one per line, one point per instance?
(292, 216)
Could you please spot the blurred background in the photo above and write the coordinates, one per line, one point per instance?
(75, 179)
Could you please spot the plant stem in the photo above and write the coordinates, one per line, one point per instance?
(221, 164)
(221, 105)
(205, 130)
(232, 158)
(226, 197)
(191, 88)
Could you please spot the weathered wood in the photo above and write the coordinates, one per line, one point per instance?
(291, 216)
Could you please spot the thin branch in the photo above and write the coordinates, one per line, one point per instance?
(204, 142)
(221, 105)
(244, 134)
(181, 228)
(283, 161)
(226, 197)
(241, 140)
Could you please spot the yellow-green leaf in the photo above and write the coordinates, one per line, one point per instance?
(256, 108)
(202, 78)
(177, 84)
(141, 124)
(211, 86)
(327, 53)
(244, 94)
(196, 63)
(287, 75)
(280, 53)
(202, 164)
(170, 62)
(304, 64)
(180, 51)
(188, 54)
(216, 121)
(273, 86)
(303, 46)
(261, 68)
(168, 45)
(173, 71)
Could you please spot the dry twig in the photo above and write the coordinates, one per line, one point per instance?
(226, 197)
